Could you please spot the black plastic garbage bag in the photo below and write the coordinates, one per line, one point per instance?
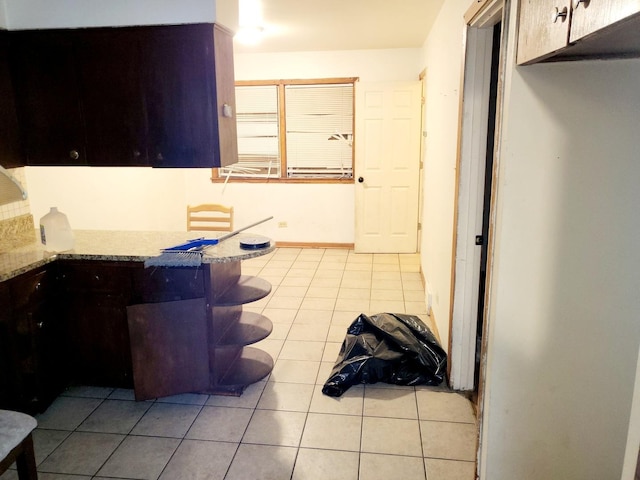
(387, 347)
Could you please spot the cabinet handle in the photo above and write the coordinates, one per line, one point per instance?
(74, 154)
(159, 156)
(559, 14)
(136, 153)
(578, 2)
(40, 324)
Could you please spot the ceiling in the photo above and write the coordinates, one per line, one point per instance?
(308, 25)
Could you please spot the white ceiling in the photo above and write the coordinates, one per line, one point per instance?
(303, 25)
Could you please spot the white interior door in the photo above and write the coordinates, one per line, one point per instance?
(387, 166)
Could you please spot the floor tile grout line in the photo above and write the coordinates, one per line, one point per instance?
(308, 410)
(183, 436)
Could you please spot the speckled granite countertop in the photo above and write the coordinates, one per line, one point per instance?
(122, 246)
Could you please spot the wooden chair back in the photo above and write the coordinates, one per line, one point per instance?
(209, 217)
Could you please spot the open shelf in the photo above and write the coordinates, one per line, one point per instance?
(247, 289)
(251, 366)
(249, 328)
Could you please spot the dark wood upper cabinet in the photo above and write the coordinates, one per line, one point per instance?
(109, 70)
(126, 96)
(180, 92)
(47, 99)
(10, 153)
(188, 80)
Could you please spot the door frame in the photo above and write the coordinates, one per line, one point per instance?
(469, 208)
(465, 264)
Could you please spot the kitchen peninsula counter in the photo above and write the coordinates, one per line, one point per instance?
(95, 315)
(122, 246)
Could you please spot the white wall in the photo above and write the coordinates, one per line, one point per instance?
(369, 65)
(443, 57)
(155, 199)
(23, 14)
(563, 314)
(3, 15)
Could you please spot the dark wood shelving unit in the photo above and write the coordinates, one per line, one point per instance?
(165, 335)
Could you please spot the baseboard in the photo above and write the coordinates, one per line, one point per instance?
(348, 246)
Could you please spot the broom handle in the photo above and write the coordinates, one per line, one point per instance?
(235, 232)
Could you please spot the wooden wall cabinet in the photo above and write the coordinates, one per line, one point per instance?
(187, 81)
(108, 63)
(47, 98)
(591, 16)
(128, 96)
(554, 30)
(10, 152)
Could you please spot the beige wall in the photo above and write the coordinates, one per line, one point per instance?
(443, 58)
(3, 15)
(131, 198)
(22, 14)
(155, 199)
(563, 324)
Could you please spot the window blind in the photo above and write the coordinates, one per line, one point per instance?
(258, 132)
(319, 130)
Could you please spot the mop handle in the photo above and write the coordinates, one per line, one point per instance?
(235, 232)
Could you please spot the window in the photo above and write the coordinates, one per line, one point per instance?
(294, 130)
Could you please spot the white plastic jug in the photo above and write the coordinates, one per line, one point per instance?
(55, 231)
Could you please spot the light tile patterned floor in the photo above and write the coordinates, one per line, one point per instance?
(283, 427)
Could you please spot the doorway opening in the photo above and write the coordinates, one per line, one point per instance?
(479, 128)
(486, 201)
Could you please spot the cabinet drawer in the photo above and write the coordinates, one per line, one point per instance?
(153, 285)
(96, 277)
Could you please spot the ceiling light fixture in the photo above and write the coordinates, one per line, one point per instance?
(250, 22)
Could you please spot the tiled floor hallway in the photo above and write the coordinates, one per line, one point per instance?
(283, 427)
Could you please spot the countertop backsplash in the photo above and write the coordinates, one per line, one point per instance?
(16, 221)
(16, 232)
(16, 209)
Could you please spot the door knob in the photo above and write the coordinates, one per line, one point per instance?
(360, 179)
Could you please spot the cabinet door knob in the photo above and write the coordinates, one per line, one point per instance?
(360, 179)
(40, 324)
(159, 156)
(74, 154)
(136, 153)
(578, 2)
(559, 14)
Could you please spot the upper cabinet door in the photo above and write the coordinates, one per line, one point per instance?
(188, 79)
(543, 28)
(47, 97)
(225, 118)
(590, 16)
(10, 153)
(180, 95)
(108, 63)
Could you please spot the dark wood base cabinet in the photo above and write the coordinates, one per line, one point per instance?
(163, 331)
(199, 345)
(32, 346)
